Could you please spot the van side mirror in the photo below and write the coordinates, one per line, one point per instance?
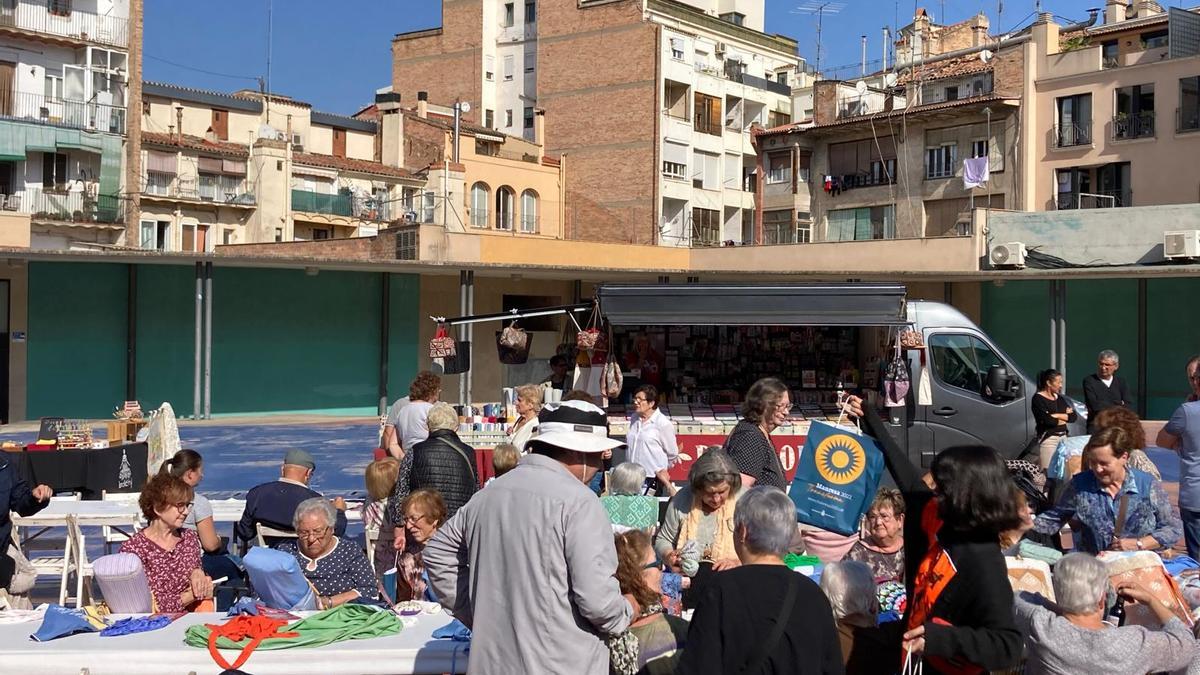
(1000, 385)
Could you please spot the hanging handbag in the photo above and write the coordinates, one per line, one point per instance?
(460, 361)
(895, 380)
(442, 345)
(513, 355)
(911, 338)
(612, 380)
(587, 337)
(514, 337)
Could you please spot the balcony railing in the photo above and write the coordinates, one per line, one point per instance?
(217, 189)
(1140, 125)
(1102, 199)
(65, 206)
(1071, 135)
(1187, 120)
(94, 115)
(37, 17)
(341, 204)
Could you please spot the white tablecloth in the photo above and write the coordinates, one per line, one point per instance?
(163, 652)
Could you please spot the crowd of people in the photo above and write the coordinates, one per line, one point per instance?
(550, 578)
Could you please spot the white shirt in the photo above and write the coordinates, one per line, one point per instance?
(1108, 382)
(410, 424)
(523, 435)
(652, 442)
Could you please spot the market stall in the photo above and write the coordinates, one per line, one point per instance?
(117, 468)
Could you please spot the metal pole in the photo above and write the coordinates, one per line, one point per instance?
(384, 339)
(208, 300)
(457, 129)
(1053, 288)
(463, 332)
(864, 56)
(1062, 327)
(470, 329)
(131, 337)
(1142, 393)
(196, 396)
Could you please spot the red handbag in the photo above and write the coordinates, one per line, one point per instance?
(442, 345)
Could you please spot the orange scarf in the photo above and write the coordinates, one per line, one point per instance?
(257, 628)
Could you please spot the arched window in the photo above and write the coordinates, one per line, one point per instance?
(504, 208)
(479, 204)
(529, 211)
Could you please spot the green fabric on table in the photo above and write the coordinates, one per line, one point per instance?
(347, 622)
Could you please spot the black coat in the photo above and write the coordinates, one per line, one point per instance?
(15, 495)
(444, 463)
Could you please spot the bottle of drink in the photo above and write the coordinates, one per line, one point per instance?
(1117, 615)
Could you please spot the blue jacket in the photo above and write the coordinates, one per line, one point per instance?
(15, 495)
(273, 504)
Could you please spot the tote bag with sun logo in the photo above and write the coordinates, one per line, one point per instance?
(836, 477)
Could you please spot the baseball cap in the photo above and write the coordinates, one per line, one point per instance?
(574, 425)
(298, 457)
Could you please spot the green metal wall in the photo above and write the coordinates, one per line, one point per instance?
(283, 341)
(1017, 316)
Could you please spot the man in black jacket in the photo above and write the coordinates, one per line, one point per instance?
(1104, 388)
(16, 496)
(273, 504)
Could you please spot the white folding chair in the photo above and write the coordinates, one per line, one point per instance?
(51, 564)
(115, 535)
(82, 566)
(265, 531)
(371, 534)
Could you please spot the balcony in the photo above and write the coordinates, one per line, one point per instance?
(1187, 120)
(230, 190)
(1102, 199)
(1126, 127)
(67, 206)
(341, 204)
(92, 116)
(72, 24)
(734, 72)
(1072, 135)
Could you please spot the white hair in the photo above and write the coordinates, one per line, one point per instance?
(1080, 582)
(850, 587)
(768, 518)
(315, 505)
(1109, 354)
(442, 417)
(627, 478)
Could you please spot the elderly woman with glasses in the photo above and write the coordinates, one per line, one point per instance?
(1070, 635)
(768, 405)
(336, 568)
(702, 512)
(170, 553)
(424, 512)
(882, 545)
(762, 617)
(651, 441)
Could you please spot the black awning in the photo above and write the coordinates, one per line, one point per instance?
(849, 304)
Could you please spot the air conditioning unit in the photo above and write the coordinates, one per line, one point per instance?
(1181, 244)
(721, 48)
(297, 143)
(1008, 255)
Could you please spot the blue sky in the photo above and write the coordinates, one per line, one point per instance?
(335, 54)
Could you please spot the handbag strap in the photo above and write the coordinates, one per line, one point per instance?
(781, 621)
(1121, 512)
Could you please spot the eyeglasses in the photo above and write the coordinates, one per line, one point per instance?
(784, 406)
(312, 534)
(414, 519)
(653, 564)
(880, 517)
(640, 399)
(183, 506)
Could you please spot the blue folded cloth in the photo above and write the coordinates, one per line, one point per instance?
(61, 622)
(1179, 564)
(136, 624)
(455, 630)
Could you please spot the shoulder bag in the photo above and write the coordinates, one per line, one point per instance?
(781, 621)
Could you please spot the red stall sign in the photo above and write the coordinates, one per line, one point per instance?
(694, 445)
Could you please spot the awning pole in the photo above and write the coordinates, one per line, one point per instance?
(196, 396)
(470, 332)
(384, 339)
(462, 333)
(208, 300)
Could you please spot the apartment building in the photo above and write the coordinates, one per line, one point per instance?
(244, 167)
(66, 80)
(882, 157)
(652, 102)
(1115, 110)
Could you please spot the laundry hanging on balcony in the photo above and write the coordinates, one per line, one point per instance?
(975, 172)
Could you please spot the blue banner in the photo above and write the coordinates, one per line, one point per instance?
(836, 478)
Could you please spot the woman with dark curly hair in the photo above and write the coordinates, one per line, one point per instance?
(170, 553)
(767, 406)
(405, 425)
(659, 638)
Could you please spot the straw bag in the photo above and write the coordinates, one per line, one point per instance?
(442, 345)
(587, 337)
(912, 339)
(513, 337)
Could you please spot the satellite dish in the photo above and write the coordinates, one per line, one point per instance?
(860, 87)
(464, 107)
(890, 80)
(986, 55)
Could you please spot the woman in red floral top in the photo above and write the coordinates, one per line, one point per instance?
(169, 553)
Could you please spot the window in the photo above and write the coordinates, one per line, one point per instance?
(779, 167)
(1154, 39)
(59, 7)
(529, 212)
(489, 68)
(278, 234)
(53, 88)
(504, 209)
(677, 48)
(530, 62)
(676, 99)
(872, 222)
(734, 18)
(156, 235)
(778, 227)
(803, 227)
(979, 148)
(480, 194)
(940, 160)
(509, 14)
(708, 115)
(706, 171)
(508, 68)
(195, 238)
(1189, 103)
(489, 119)
(675, 160)
(530, 12)
(427, 206)
(508, 118)
(1134, 108)
(863, 163)
(54, 171)
(227, 236)
(320, 233)
(1108, 53)
(962, 361)
(951, 93)
(782, 77)
(777, 119)
(706, 227)
(1074, 120)
(528, 117)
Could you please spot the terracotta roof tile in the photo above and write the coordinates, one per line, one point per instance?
(348, 164)
(195, 143)
(958, 66)
(990, 98)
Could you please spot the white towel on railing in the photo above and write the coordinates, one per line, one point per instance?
(975, 172)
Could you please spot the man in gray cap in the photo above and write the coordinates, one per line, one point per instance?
(528, 562)
(273, 504)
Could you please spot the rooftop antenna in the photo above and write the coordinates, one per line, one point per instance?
(820, 8)
(270, 31)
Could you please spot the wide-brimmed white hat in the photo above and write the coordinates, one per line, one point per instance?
(574, 425)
